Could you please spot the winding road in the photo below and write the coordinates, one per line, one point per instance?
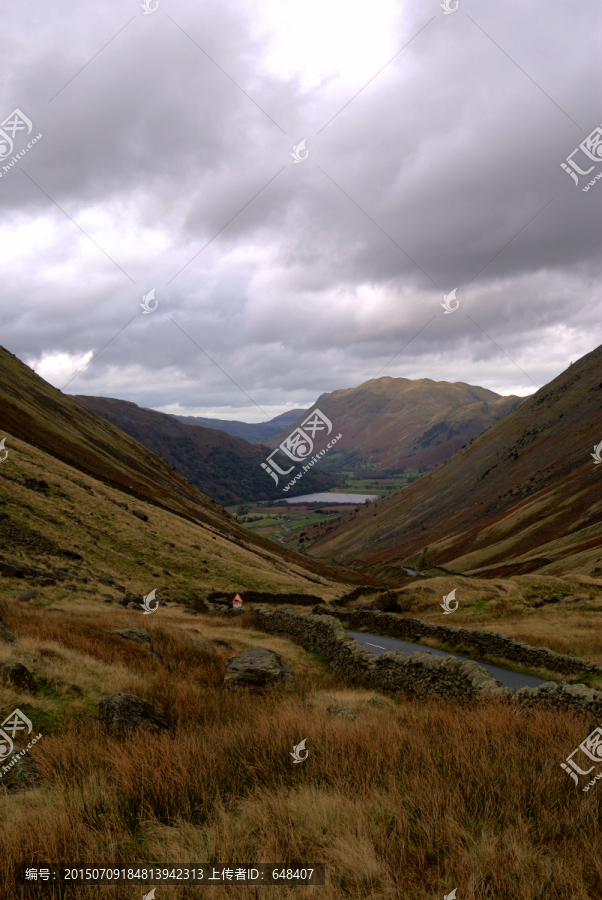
(377, 645)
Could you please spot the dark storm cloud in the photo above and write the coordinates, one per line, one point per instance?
(443, 172)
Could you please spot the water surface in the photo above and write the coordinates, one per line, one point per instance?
(332, 498)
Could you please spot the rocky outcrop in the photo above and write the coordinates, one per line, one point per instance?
(17, 676)
(485, 643)
(126, 712)
(6, 634)
(211, 645)
(259, 669)
(134, 634)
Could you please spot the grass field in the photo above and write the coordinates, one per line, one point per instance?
(410, 800)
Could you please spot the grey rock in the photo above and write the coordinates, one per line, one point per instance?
(18, 676)
(6, 634)
(316, 700)
(140, 515)
(21, 773)
(134, 634)
(129, 597)
(127, 712)
(106, 578)
(337, 710)
(28, 595)
(259, 669)
(380, 704)
(211, 645)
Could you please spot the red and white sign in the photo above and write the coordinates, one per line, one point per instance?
(237, 601)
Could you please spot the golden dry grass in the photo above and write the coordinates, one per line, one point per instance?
(178, 557)
(407, 801)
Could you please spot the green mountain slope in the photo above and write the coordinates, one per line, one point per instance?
(524, 496)
(41, 418)
(397, 423)
(226, 468)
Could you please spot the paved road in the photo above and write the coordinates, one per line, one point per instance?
(379, 645)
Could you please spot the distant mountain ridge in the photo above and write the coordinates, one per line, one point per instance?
(524, 496)
(226, 468)
(399, 423)
(255, 433)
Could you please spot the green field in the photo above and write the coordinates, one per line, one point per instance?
(292, 522)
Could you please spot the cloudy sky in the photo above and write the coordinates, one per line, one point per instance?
(431, 162)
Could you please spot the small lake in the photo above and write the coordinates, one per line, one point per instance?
(332, 498)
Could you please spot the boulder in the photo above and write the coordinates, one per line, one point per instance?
(211, 645)
(6, 634)
(140, 515)
(259, 669)
(315, 700)
(106, 578)
(343, 712)
(28, 595)
(126, 712)
(134, 634)
(129, 597)
(379, 703)
(387, 602)
(18, 676)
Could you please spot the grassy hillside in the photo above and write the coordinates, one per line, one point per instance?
(409, 799)
(524, 496)
(397, 423)
(48, 432)
(226, 468)
(50, 515)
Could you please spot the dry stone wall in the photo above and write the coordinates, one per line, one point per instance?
(487, 643)
(420, 675)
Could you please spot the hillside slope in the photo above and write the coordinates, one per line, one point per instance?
(524, 496)
(226, 468)
(397, 423)
(43, 418)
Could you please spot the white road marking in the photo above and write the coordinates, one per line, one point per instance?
(375, 645)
